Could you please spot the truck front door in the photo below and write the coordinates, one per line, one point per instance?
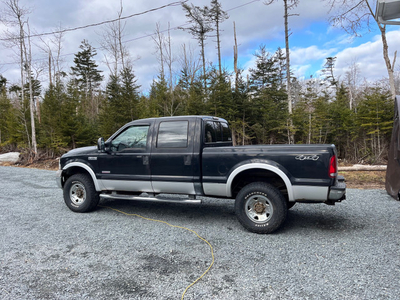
(125, 166)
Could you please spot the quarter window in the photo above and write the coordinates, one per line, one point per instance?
(173, 134)
(217, 132)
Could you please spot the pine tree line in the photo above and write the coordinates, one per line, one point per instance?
(74, 110)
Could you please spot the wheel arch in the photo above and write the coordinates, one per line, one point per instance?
(259, 171)
(79, 168)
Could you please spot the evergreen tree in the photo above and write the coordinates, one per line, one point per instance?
(268, 101)
(220, 102)
(239, 124)
(341, 121)
(76, 127)
(109, 117)
(265, 73)
(19, 122)
(200, 27)
(129, 94)
(87, 78)
(375, 117)
(50, 130)
(5, 110)
(327, 71)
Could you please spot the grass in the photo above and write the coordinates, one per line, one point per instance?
(365, 179)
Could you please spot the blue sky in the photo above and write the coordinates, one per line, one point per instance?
(311, 41)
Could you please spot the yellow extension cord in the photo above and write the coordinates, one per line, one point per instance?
(174, 226)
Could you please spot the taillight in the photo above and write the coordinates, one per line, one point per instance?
(333, 167)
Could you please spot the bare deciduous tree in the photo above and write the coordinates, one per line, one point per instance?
(352, 83)
(52, 47)
(189, 64)
(355, 15)
(16, 15)
(288, 5)
(159, 40)
(112, 43)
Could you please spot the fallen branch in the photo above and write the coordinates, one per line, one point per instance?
(363, 168)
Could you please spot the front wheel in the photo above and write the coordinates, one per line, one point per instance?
(80, 194)
(260, 207)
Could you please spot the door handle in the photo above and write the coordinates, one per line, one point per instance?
(187, 160)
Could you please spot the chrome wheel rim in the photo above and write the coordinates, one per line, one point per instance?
(77, 193)
(259, 209)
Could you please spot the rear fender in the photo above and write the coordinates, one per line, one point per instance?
(259, 165)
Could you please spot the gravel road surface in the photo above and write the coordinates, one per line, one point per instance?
(347, 251)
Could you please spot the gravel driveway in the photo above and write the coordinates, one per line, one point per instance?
(347, 251)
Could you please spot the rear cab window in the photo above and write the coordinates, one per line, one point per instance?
(216, 132)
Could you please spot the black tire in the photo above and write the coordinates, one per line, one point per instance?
(80, 194)
(260, 207)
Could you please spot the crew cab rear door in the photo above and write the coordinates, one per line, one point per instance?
(171, 162)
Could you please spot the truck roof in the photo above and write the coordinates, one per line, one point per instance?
(203, 117)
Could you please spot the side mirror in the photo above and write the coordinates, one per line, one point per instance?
(101, 145)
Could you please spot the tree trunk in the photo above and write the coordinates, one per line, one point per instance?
(204, 64)
(219, 49)
(235, 57)
(288, 83)
(389, 66)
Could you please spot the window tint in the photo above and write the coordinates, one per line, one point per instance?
(173, 134)
(226, 133)
(210, 134)
(217, 132)
(132, 137)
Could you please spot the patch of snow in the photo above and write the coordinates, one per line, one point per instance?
(11, 157)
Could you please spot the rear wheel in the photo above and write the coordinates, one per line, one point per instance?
(80, 194)
(260, 207)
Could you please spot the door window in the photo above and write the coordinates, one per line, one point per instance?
(132, 137)
(173, 134)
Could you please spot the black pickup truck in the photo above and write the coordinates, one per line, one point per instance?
(194, 156)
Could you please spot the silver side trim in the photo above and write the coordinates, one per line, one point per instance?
(310, 193)
(151, 199)
(172, 187)
(97, 185)
(127, 185)
(214, 189)
(274, 169)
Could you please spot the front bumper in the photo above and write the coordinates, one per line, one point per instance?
(337, 192)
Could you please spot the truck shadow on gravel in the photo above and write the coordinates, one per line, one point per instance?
(300, 219)
(214, 213)
(220, 213)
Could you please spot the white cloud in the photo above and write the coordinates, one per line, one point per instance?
(255, 22)
(300, 56)
(368, 56)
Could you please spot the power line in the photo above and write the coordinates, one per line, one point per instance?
(110, 21)
(98, 24)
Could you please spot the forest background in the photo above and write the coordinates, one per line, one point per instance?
(73, 107)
